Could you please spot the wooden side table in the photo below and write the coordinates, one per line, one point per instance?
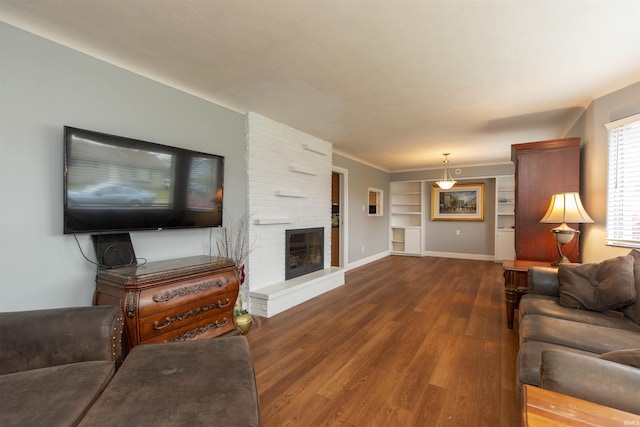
(515, 283)
(542, 407)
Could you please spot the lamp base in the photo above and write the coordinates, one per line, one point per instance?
(563, 235)
(562, 260)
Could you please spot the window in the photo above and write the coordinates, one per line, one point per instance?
(375, 202)
(623, 190)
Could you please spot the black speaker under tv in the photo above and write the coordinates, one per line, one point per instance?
(114, 250)
(114, 183)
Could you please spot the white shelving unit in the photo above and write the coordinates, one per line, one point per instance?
(505, 218)
(407, 217)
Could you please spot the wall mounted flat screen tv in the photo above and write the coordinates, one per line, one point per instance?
(113, 183)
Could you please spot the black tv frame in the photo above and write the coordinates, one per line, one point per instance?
(176, 215)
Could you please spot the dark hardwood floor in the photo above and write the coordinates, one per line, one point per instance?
(407, 341)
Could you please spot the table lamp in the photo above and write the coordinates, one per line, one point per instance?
(564, 208)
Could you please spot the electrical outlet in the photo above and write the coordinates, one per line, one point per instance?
(457, 232)
(363, 249)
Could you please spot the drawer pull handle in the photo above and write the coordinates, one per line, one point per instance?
(190, 290)
(224, 304)
(195, 312)
(199, 331)
(218, 324)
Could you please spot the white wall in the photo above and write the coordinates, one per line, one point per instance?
(368, 232)
(273, 149)
(44, 86)
(477, 238)
(473, 239)
(591, 129)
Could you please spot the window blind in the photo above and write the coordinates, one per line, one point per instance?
(623, 188)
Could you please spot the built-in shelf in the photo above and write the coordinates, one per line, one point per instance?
(302, 170)
(407, 218)
(400, 212)
(288, 193)
(316, 149)
(505, 218)
(269, 221)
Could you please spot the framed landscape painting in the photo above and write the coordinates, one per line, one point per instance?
(463, 202)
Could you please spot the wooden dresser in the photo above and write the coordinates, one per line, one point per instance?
(173, 300)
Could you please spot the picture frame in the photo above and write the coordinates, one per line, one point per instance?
(462, 202)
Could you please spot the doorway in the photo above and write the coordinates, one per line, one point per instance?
(339, 211)
(335, 219)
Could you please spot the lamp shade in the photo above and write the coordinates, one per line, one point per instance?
(566, 207)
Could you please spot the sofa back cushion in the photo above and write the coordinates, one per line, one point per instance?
(42, 338)
(633, 311)
(602, 286)
(629, 357)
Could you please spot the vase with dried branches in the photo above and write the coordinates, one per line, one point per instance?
(235, 245)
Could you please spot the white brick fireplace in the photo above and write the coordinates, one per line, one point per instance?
(289, 187)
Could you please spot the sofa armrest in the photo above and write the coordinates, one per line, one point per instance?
(543, 281)
(42, 338)
(591, 378)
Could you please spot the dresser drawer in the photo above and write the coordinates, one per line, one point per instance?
(178, 316)
(161, 298)
(211, 326)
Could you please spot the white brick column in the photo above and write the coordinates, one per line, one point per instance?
(288, 186)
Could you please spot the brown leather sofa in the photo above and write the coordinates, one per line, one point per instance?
(64, 367)
(55, 363)
(589, 354)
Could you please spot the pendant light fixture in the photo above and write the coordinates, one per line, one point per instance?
(446, 182)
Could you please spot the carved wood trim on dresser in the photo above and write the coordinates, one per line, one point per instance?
(173, 300)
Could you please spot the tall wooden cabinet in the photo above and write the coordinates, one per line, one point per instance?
(542, 169)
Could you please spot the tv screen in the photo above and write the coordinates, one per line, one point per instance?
(113, 183)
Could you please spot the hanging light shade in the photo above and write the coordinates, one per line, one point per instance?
(446, 182)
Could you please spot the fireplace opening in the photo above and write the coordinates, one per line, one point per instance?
(304, 251)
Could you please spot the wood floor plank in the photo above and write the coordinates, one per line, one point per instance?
(407, 341)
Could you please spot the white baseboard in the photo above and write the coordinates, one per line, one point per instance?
(367, 260)
(479, 257)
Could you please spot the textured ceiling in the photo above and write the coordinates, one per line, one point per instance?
(392, 83)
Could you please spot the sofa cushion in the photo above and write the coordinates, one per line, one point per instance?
(581, 336)
(593, 379)
(531, 304)
(199, 382)
(630, 357)
(529, 360)
(633, 311)
(57, 395)
(603, 286)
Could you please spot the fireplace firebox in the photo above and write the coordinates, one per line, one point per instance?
(304, 251)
